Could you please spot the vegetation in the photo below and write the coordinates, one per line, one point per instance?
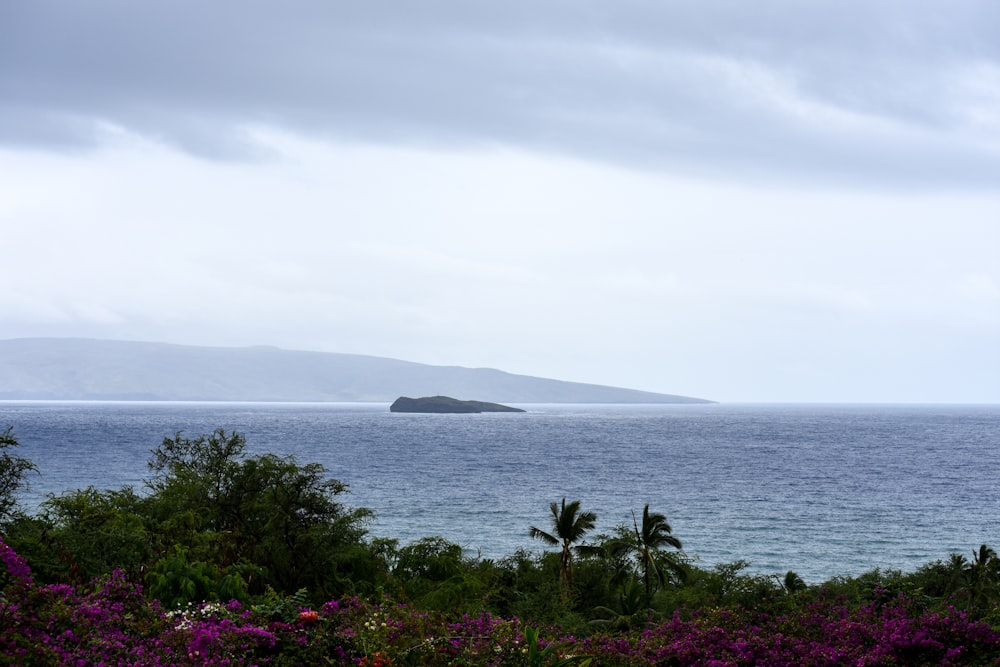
(232, 559)
(569, 525)
(645, 545)
(13, 475)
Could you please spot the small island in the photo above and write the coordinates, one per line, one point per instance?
(446, 404)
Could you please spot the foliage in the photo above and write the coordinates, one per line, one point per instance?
(569, 526)
(632, 609)
(282, 607)
(644, 544)
(217, 524)
(430, 559)
(13, 475)
(527, 586)
(269, 511)
(434, 574)
(175, 581)
(983, 577)
(111, 622)
(96, 532)
(538, 654)
(793, 583)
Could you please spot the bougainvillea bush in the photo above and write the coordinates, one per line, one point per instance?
(113, 623)
(823, 634)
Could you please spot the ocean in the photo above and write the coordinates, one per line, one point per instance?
(824, 490)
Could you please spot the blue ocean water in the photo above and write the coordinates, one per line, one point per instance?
(825, 490)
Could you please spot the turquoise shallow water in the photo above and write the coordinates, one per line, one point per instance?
(824, 490)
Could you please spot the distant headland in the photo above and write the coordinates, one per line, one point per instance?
(446, 404)
(84, 369)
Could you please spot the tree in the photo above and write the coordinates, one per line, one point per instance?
(95, 532)
(434, 574)
(645, 545)
(268, 511)
(983, 576)
(204, 463)
(793, 583)
(429, 558)
(943, 579)
(569, 526)
(13, 472)
(633, 609)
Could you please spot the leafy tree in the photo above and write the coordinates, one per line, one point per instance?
(429, 558)
(433, 573)
(202, 466)
(268, 511)
(569, 526)
(730, 585)
(94, 532)
(528, 587)
(13, 475)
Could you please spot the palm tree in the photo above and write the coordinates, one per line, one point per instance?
(634, 609)
(793, 583)
(983, 575)
(569, 526)
(646, 544)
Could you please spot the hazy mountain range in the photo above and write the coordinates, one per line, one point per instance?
(86, 369)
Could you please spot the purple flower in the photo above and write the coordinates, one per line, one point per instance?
(16, 566)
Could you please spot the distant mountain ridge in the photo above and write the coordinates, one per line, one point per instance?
(91, 369)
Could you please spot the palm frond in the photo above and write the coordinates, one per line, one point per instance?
(538, 534)
(584, 522)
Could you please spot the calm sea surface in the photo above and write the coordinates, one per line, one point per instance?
(822, 490)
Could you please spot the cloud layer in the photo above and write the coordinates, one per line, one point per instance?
(903, 93)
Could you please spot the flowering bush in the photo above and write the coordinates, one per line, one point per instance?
(113, 623)
(825, 634)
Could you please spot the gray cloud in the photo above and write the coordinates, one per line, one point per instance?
(892, 92)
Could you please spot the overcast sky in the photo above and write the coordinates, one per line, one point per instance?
(742, 201)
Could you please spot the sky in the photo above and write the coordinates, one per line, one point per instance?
(777, 201)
